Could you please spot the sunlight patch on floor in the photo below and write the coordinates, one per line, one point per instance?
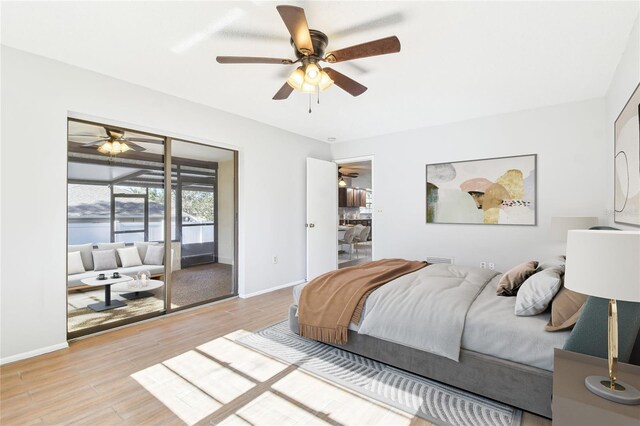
(199, 383)
(216, 380)
(337, 403)
(241, 358)
(186, 401)
(270, 409)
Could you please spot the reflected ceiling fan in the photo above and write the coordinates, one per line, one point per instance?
(114, 143)
(309, 47)
(342, 175)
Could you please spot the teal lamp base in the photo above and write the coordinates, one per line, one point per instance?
(623, 393)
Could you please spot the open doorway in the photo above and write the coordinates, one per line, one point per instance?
(355, 212)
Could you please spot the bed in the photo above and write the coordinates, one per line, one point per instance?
(500, 356)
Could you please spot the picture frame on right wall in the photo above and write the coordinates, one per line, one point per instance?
(626, 198)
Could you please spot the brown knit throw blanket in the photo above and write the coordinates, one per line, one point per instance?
(329, 302)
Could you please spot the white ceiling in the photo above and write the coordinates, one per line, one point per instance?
(459, 60)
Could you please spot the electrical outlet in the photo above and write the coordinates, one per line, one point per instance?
(275, 259)
(483, 265)
(492, 266)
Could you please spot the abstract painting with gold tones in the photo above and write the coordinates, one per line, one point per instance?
(627, 163)
(491, 191)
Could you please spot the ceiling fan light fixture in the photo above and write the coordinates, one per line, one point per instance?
(296, 79)
(312, 74)
(325, 81)
(308, 88)
(113, 148)
(105, 148)
(342, 182)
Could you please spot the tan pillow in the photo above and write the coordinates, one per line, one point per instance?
(512, 280)
(565, 310)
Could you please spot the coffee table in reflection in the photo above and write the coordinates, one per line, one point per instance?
(134, 289)
(107, 283)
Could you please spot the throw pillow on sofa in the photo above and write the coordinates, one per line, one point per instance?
(114, 246)
(85, 252)
(155, 255)
(104, 260)
(74, 263)
(142, 247)
(129, 256)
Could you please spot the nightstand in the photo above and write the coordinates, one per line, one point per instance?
(573, 404)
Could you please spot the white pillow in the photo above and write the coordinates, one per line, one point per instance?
(155, 255)
(537, 292)
(74, 263)
(129, 256)
(142, 247)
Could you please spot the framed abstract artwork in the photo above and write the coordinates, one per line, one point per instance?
(626, 192)
(491, 191)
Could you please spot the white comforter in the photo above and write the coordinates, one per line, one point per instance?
(438, 296)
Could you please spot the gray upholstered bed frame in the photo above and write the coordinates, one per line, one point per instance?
(519, 385)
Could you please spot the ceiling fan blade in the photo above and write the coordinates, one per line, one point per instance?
(372, 48)
(94, 143)
(345, 83)
(86, 135)
(251, 60)
(296, 22)
(156, 141)
(371, 24)
(83, 138)
(283, 93)
(135, 146)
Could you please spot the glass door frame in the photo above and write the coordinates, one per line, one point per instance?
(167, 230)
(168, 207)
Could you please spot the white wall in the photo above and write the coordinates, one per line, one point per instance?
(624, 82)
(569, 141)
(37, 96)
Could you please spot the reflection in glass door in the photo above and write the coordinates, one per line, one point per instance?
(203, 224)
(115, 218)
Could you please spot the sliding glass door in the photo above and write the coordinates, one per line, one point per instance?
(125, 260)
(203, 187)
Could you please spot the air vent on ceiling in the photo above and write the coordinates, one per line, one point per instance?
(436, 259)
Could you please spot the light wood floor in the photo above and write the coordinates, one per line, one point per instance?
(90, 383)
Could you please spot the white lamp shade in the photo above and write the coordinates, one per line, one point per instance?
(561, 225)
(604, 264)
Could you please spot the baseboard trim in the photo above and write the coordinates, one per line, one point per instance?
(35, 352)
(269, 290)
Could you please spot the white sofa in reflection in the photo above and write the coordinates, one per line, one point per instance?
(156, 270)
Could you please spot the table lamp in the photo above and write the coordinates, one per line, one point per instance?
(561, 225)
(606, 264)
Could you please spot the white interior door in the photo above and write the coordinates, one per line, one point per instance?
(322, 217)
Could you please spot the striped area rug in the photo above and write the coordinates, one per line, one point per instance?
(433, 401)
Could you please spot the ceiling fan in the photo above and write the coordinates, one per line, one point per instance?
(114, 143)
(342, 175)
(309, 48)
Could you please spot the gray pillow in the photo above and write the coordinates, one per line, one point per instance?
(104, 260)
(85, 253)
(537, 292)
(114, 246)
(553, 262)
(155, 255)
(142, 247)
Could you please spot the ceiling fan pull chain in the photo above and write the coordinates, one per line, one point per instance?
(309, 103)
(318, 91)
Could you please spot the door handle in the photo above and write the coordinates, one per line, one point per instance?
(311, 225)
